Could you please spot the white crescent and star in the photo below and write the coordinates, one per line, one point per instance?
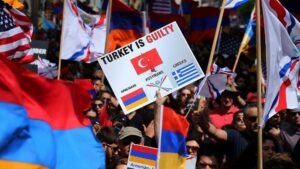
(140, 63)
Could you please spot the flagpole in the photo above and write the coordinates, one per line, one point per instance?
(107, 30)
(61, 41)
(213, 48)
(236, 60)
(259, 106)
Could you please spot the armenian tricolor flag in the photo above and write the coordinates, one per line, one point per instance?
(134, 99)
(126, 25)
(172, 145)
(42, 123)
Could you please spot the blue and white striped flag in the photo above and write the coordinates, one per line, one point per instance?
(185, 74)
(234, 3)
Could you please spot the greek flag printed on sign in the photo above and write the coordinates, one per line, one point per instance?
(185, 74)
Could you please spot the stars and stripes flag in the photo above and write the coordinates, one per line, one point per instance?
(215, 82)
(228, 44)
(161, 6)
(15, 34)
(282, 51)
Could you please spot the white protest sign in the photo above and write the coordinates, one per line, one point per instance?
(191, 162)
(161, 60)
(142, 157)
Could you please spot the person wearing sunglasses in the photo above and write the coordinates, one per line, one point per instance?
(109, 139)
(290, 135)
(208, 160)
(236, 141)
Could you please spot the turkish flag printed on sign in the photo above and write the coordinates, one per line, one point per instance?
(146, 61)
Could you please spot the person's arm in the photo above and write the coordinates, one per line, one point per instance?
(157, 110)
(210, 129)
(230, 83)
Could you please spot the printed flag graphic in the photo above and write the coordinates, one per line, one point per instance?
(134, 99)
(185, 74)
(142, 156)
(146, 61)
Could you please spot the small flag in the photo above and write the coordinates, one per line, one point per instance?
(142, 156)
(146, 61)
(185, 74)
(228, 45)
(234, 3)
(134, 99)
(161, 6)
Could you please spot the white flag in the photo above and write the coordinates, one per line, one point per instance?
(282, 61)
(83, 34)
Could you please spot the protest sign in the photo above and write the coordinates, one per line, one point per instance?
(142, 157)
(39, 48)
(161, 60)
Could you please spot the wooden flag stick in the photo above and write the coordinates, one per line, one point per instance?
(61, 41)
(213, 48)
(259, 106)
(108, 24)
(108, 17)
(236, 60)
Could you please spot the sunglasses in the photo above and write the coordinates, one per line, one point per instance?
(252, 118)
(98, 105)
(239, 119)
(111, 147)
(294, 113)
(185, 94)
(205, 164)
(193, 148)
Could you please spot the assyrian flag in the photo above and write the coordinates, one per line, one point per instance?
(290, 23)
(83, 34)
(282, 59)
(234, 3)
(214, 83)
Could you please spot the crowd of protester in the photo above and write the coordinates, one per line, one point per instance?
(222, 133)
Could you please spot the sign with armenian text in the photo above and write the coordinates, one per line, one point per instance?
(142, 157)
(161, 60)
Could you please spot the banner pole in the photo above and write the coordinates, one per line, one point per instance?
(213, 48)
(61, 42)
(259, 106)
(108, 17)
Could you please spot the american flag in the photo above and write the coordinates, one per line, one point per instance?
(228, 44)
(15, 34)
(161, 6)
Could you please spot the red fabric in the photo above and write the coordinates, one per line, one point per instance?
(59, 103)
(103, 117)
(174, 122)
(85, 83)
(221, 118)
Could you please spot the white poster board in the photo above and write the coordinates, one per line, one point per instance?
(161, 60)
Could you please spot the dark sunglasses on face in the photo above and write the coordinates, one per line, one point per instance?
(293, 114)
(210, 165)
(239, 119)
(252, 118)
(98, 105)
(111, 147)
(193, 148)
(185, 94)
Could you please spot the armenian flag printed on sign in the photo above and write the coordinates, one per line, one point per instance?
(142, 156)
(134, 99)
